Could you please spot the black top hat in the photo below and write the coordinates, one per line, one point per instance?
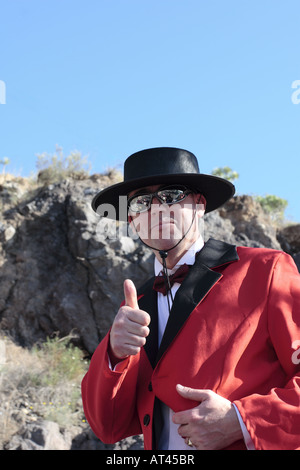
(164, 165)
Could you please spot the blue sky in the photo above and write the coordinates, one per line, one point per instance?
(111, 77)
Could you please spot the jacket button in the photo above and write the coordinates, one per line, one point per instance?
(146, 420)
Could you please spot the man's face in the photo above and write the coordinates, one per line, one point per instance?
(164, 225)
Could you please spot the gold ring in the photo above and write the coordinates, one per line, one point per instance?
(189, 442)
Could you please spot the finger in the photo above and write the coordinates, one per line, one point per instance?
(182, 418)
(129, 350)
(139, 316)
(130, 294)
(139, 329)
(127, 345)
(193, 393)
(184, 430)
(135, 340)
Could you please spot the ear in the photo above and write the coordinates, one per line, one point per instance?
(200, 202)
(131, 226)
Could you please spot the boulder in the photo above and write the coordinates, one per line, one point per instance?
(43, 435)
(290, 235)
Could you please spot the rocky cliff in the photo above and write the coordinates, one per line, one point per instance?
(59, 274)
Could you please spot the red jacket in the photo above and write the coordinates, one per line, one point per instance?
(234, 328)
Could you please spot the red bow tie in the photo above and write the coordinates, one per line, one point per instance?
(179, 275)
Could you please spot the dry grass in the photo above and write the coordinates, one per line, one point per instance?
(41, 383)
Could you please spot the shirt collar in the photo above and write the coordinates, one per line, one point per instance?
(187, 258)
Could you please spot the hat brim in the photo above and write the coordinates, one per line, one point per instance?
(215, 190)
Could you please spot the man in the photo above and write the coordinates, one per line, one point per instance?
(210, 360)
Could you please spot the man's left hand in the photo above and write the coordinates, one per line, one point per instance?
(211, 425)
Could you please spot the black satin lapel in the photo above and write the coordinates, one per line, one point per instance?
(196, 285)
(217, 253)
(149, 303)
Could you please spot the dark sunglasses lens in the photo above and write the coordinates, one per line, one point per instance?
(171, 195)
(140, 203)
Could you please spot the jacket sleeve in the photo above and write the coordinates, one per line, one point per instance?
(111, 415)
(273, 420)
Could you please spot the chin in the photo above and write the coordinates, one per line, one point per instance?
(164, 245)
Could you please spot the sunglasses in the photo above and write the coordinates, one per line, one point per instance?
(169, 195)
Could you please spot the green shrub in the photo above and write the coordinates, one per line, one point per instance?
(44, 382)
(226, 172)
(273, 205)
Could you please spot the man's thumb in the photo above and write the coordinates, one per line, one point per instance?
(192, 393)
(130, 294)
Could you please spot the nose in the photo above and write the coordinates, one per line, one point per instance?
(155, 200)
(158, 206)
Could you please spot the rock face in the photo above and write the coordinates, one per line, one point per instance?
(290, 241)
(251, 226)
(59, 273)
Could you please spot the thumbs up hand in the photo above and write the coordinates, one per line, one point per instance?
(130, 327)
